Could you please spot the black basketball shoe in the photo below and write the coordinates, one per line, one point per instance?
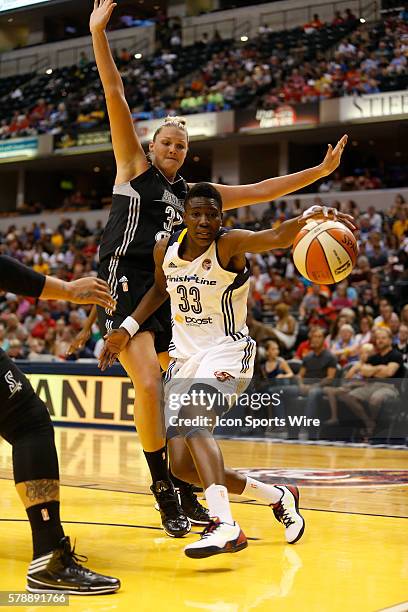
(174, 522)
(59, 571)
(191, 507)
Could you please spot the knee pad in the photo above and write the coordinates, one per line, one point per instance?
(29, 430)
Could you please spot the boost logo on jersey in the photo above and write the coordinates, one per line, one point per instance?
(194, 321)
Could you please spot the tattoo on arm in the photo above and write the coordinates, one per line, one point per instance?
(42, 490)
(85, 294)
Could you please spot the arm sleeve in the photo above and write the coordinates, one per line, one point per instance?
(19, 279)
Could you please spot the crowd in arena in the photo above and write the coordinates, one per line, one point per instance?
(287, 314)
(274, 68)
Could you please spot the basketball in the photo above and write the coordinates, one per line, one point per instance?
(325, 252)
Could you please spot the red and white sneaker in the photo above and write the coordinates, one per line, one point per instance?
(286, 511)
(217, 538)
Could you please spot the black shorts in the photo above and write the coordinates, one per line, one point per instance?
(16, 391)
(128, 285)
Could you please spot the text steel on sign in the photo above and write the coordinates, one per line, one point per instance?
(374, 105)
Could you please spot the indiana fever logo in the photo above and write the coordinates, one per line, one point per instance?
(329, 478)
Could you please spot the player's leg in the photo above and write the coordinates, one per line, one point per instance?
(140, 362)
(283, 499)
(25, 423)
(223, 534)
(195, 512)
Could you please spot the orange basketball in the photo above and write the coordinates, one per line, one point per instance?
(325, 252)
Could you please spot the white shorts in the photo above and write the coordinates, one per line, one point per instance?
(226, 367)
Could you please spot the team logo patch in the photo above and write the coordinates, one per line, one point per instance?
(125, 284)
(207, 263)
(223, 376)
(328, 478)
(13, 385)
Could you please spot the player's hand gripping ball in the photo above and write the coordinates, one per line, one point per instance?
(325, 252)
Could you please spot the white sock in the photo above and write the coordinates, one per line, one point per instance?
(218, 503)
(265, 493)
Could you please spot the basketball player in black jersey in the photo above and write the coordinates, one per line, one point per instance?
(25, 423)
(147, 205)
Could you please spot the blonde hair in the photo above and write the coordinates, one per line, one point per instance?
(176, 122)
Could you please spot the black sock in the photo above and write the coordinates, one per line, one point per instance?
(46, 527)
(157, 463)
(179, 484)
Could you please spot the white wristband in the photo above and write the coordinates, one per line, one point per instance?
(131, 326)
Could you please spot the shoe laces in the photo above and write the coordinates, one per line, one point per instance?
(188, 494)
(72, 558)
(210, 528)
(282, 514)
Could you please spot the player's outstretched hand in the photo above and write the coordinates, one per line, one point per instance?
(324, 213)
(90, 290)
(333, 156)
(101, 14)
(115, 341)
(79, 341)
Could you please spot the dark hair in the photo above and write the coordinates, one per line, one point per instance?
(205, 190)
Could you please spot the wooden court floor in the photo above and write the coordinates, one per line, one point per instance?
(353, 556)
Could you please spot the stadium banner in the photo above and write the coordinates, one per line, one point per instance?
(85, 142)
(86, 400)
(202, 125)
(18, 147)
(387, 105)
(10, 5)
(205, 125)
(285, 115)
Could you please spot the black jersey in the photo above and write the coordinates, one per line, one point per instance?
(143, 211)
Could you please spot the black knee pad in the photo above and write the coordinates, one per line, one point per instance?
(29, 430)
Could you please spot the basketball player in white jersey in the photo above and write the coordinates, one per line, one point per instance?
(204, 271)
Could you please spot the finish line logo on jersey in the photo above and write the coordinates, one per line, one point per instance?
(190, 279)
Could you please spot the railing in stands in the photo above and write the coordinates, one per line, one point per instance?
(285, 19)
(193, 33)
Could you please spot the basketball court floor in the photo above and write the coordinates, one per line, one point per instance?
(353, 556)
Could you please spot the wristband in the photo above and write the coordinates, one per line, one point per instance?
(131, 326)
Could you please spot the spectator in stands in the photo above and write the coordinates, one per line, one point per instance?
(285, 329)
(402, 342)
(352, 374)
(317, 371)
(349, 16)
(387, 363)
(275, 367)
(345, 347)
(386, 311)
(338, 19)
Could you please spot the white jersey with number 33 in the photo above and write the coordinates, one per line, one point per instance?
(208, 303)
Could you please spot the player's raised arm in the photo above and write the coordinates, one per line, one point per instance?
(130, 157)
(245, 241)
(117, 340)
(236, 196)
